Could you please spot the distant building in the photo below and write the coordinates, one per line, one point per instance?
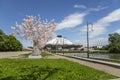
(61, 43)
(90, 48)
(97, 47)
(59, 40)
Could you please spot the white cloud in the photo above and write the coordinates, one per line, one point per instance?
(93, 42)
(118, 31)
(71, 21)
(76, 19)
(100, 27)
(80, 6)
(98, 8)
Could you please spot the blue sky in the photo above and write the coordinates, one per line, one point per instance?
(70, 15)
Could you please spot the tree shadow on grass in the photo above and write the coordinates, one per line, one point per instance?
(8, 78)
(34, 73)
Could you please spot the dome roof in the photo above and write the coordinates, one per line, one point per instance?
(60, 41)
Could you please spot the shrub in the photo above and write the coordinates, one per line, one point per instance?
(9, 43)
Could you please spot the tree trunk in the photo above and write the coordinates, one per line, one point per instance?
(36, 50)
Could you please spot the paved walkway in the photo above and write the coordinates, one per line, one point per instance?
(101, 67)
(12, 54)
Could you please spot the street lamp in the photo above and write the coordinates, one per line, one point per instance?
(56, 45)
(57, 41)
(88, 38)
(63, 45)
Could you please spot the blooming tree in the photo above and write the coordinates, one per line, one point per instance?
(35, 30)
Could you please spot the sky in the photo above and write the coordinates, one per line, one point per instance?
(71, 17)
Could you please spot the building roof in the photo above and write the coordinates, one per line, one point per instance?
(60, 41)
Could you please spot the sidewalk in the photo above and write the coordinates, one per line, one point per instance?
(12, 54)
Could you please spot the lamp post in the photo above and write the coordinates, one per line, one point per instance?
(63, 45)
(57, 41)
(56, 46)
(88, 38)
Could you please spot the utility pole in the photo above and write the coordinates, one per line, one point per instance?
(63, 45)
(56, 45)
(57, 41)
(88, 38)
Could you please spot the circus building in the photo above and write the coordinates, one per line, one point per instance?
(59, 43)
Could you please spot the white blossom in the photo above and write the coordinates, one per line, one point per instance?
(35, 30)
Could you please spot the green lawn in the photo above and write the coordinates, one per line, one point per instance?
(48, 69)
(44, 54)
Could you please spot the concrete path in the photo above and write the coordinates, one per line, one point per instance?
(101, 67)
(12, 54)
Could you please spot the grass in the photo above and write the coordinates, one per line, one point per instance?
(48, 69)
(44, 54)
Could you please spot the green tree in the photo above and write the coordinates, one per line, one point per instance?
(13, 44)
(2, 40)
(114, 43)
(2, 36)
(9, 43)
(1, 32)
(106, 47)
